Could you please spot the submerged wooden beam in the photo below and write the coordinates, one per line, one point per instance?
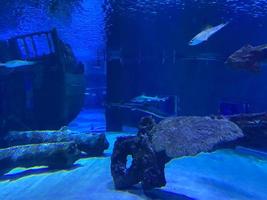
(92, 144)
(254, 127)
(31, 34)
(54, 155)
(248, 116)
(34, 46)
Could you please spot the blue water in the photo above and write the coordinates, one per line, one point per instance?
(80, 24)
(150, 29)
(148, 33)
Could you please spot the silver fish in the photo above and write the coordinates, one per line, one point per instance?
(206, 34)
(17, 63)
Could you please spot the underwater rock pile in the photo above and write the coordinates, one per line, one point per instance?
(54, 155)
(90, 143)
(156, 144)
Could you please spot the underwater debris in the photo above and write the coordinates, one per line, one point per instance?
(206, 34)
(54, 155)
(92, 144)
(57, 73)
(188, 136)
(254, 127)
(248, 57)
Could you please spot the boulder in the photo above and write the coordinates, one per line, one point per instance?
(147, 166)
(156, 144)
(188, 136)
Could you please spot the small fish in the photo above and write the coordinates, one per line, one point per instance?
(144, 98)
(206, 34)
(17, 63)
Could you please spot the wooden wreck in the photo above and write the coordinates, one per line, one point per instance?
(47, 95)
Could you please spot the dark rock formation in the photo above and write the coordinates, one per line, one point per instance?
(54, 155)
(147, 166)
(156, 144)
(248, 57)
(145, 126)
(188, 136)
(92, 144)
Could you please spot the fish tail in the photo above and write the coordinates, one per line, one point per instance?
(2, 64)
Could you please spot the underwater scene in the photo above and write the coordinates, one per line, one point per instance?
(133, 100)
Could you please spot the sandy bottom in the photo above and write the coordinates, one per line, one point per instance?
(220, 175)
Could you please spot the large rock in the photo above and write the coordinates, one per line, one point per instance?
(147, 165)
(188, 136)
(156, 144)
(92, 144)
(54, 155)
